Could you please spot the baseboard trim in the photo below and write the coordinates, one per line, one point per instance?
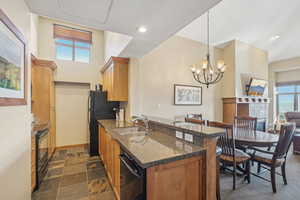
(70, 146)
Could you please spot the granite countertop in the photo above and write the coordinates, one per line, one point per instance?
(153, 148)
(195, 129)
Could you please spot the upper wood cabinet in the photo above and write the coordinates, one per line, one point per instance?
(43, 96)
(115, 79)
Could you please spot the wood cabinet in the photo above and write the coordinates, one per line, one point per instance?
(33, 163)
(109, 151)
(43, 97)
(181, 179)
(115, 79)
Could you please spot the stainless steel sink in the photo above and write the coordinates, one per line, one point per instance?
(130, 130)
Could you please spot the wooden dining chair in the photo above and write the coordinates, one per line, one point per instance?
(244, 125)
(195, 118)
(271, 160)
(231, 156)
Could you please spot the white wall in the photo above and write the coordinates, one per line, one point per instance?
(69, 70)
(243, 62)
(34, 20)
(158, 71)
(228, 82)
(115, 43)
(15, 123)
(71, 114)
(71, 104)
(249, 62)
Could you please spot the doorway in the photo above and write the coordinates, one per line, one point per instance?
(71, 113)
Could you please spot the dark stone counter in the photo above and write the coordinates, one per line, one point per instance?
(153, 148)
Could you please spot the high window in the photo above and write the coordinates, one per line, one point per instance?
(72, 44)
(288, 97)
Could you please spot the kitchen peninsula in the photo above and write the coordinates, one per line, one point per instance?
(167, 167)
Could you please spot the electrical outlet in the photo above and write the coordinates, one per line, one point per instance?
(179, 134)
(188, 137)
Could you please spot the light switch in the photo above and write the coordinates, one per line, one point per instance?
(179, 134)
(188, 137)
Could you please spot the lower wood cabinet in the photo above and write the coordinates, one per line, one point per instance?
(183, 179)
(109, 151)
(33, 163)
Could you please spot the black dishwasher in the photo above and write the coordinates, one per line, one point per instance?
(133, 179)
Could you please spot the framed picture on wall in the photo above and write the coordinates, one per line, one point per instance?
(187, 95)
(13, 66)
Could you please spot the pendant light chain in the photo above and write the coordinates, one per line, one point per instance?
(208, 74)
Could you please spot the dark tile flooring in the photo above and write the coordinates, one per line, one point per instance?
(73, 175)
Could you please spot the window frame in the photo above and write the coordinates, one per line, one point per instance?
(296, 94)
(73, 46)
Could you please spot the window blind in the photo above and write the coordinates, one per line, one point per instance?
(65, 32)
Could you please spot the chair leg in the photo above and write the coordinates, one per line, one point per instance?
(218, 180)
(283, 174)
(258, 168)
(273, 179)
(248, 170)
(234, 177)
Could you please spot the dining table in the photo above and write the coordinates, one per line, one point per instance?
(256, 138)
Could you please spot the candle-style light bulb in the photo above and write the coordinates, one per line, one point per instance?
(220, 64)
(198, 71)
(193, 68)
(204, 64)
(223, 68)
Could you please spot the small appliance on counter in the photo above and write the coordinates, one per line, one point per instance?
(120, 114)
(98, 108)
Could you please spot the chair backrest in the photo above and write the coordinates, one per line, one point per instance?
(195, 121)
(194, 116)
(245, 125)
(287, 132)
(293, 117)
(227, 141)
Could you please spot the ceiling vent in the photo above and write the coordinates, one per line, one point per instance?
(91, 10)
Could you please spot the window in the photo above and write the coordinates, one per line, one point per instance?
(288, 97)
(72, 44)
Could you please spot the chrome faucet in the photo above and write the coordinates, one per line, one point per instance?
(142, 118)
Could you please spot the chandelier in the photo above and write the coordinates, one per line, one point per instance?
(207, 73)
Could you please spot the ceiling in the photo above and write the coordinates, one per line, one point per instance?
(253, 22)
(163, 18)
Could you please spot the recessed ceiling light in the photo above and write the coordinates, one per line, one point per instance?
(273, 38)
(142, 29)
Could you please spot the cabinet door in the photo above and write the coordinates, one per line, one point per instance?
(99, 142)
(120, 82)
(33, 163)
(52, 116)
(184, 178)
(102, 143)
(110, 82)
(116, 173)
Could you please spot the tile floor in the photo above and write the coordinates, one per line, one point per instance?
(73, 175)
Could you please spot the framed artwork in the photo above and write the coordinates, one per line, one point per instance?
(13, 66)
(187, 95)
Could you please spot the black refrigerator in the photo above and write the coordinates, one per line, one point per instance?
(99, 108)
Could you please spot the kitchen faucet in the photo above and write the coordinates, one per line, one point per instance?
(142, 118)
